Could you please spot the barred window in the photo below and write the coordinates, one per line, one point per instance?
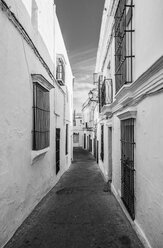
(41, 117)
(123, 43)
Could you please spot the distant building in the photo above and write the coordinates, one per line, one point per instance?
(89, 122)
(77, 130)
(36, 128)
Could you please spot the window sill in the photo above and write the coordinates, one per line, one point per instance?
(37, 155)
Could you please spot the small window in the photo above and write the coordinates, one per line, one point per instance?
(41, 117)
(60, 73)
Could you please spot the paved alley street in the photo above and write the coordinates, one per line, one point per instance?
(77, 213)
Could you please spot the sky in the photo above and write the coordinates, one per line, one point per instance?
(80, 22)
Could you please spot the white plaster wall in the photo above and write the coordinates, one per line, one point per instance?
(60, 123)
(102, 45)
(148, 36)
(22, 184)
(78, 129)
(116, 154)
(148, 166)
(104, 164)
(67, 90)
(66, 104)
(45, 34)
(148, 129)
(149, 170)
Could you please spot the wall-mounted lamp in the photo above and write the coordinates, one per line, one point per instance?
(90, 94)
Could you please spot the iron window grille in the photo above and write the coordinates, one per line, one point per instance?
(102, 143)
(123, 43)
(66, 139)
(106, 92)
(41, 117)
(60, 72)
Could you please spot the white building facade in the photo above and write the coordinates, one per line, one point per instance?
(77, 130)
(129, 70)
(90, 118)
(35, 111)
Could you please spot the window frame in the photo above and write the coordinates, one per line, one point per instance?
(41, 117)
(39, 82)
(124, 43)
(60, 71)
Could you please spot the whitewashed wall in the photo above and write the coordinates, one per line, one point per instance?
(67, 90)
(148, 36)
(148, 49)
(23, 183)
(149, 170)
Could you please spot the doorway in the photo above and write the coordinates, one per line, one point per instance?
(110, 153)
(127, 165)
(97, 156)
(57, 150)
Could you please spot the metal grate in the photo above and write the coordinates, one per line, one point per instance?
(123, 43)
(127, 165)
(41, 117)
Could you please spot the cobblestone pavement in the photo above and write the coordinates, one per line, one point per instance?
(77, 213)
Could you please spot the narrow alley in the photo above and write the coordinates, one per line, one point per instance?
(79, 212)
